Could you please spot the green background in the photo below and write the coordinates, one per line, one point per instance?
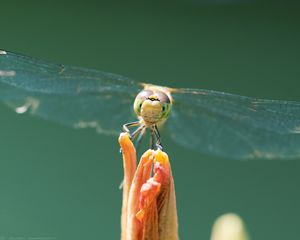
(59, 183)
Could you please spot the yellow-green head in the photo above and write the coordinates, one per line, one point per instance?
(153, 106)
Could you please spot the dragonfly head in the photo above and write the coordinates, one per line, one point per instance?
(152, 106)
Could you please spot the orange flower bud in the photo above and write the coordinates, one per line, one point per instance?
(149, 202)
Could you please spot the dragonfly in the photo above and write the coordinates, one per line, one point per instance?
(214, 123)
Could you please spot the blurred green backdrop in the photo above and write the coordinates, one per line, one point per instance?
(59, 183)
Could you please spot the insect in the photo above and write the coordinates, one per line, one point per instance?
(216, 123)
(152, 106)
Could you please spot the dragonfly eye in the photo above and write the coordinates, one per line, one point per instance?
(162, 97)
(166, 109)
(140, 98)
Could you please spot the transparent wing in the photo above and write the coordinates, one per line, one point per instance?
(233, 126)
(70, 95)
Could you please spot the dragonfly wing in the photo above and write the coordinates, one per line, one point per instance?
(233, 126)
(69, 95)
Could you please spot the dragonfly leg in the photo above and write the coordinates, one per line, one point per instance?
(140, 137)
(152, 138)
(139, 132)
(157, 135)
(136, 132)
(126, 126)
